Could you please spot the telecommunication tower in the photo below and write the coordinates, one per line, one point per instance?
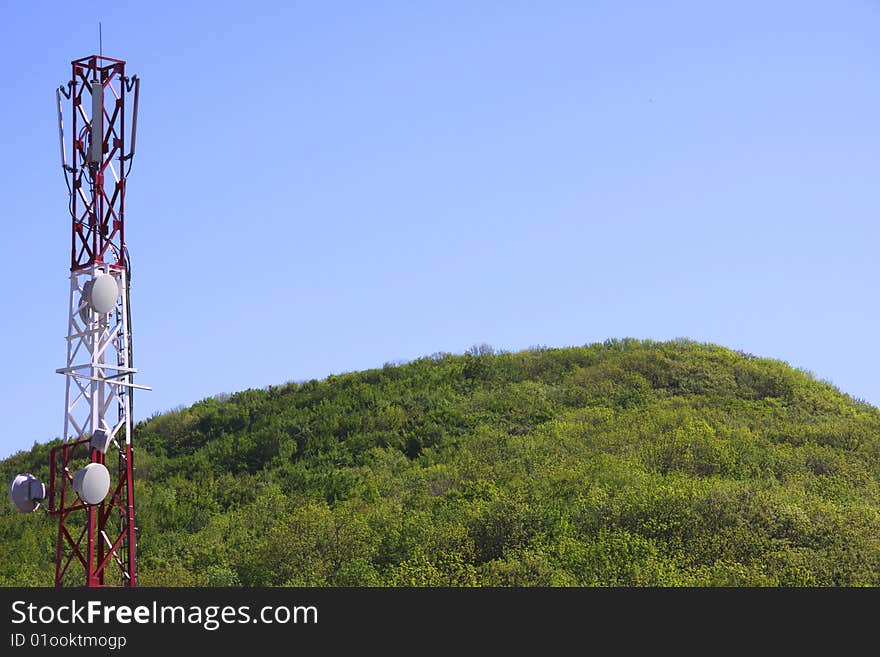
(91, 485)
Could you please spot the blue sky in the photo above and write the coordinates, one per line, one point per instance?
(326, 187)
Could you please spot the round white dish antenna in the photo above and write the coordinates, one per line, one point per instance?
(25, 492)
(92, 483)
(102, 293)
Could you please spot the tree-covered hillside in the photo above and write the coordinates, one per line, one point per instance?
(630, 463)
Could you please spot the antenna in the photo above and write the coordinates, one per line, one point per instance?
(91, 473)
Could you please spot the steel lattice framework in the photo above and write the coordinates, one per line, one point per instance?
(101, 538)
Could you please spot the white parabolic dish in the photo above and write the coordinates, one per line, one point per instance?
(92, 483)
(26, 491)
(103, 293)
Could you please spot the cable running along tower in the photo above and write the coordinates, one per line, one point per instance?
(91, 486)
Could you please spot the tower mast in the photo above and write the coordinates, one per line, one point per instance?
(91, 485)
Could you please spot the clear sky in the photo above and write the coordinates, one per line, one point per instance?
(323, 187)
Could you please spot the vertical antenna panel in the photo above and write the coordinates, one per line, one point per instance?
(61, 130)
(96, 152)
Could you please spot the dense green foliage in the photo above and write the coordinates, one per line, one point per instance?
(630, 463)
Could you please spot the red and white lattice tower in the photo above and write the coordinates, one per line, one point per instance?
(91, 487)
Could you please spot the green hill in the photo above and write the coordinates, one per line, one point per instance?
(630, 463)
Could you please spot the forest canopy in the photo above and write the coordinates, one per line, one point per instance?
(623, 463)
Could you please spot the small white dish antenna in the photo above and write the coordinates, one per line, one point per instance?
(92, 483)
(25, 492)
(102, 293)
